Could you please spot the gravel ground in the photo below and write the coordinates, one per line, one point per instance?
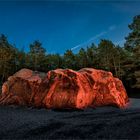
(99, 123)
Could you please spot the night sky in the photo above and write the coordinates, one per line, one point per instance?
(62, 25)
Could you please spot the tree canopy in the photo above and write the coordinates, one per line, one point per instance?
(133, 38)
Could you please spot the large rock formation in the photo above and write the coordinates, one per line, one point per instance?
(64, 88)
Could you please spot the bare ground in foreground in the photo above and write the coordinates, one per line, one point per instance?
(100, 123)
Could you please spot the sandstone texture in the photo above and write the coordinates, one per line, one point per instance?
(64, 88)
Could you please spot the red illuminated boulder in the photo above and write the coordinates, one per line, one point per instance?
(64, 88)
(20, 87)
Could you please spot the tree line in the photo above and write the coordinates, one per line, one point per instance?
(123, 62)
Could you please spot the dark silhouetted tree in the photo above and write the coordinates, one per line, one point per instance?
(37, 55)
(69, 60)
(92, 56)
(82, 58)
(53, 61)
(133, 39)
(7, 58)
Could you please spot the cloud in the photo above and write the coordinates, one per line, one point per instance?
(98, 35)
(89, 41)
(120, 42)
(76, 47)
(111, 28)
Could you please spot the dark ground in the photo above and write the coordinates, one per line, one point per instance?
(100, 123)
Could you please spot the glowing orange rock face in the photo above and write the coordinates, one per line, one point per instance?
(20, 87)
(64, 88)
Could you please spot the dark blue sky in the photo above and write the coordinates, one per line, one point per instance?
(63, 25)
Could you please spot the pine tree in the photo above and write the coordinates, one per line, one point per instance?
(37, 55)
(133, 39)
